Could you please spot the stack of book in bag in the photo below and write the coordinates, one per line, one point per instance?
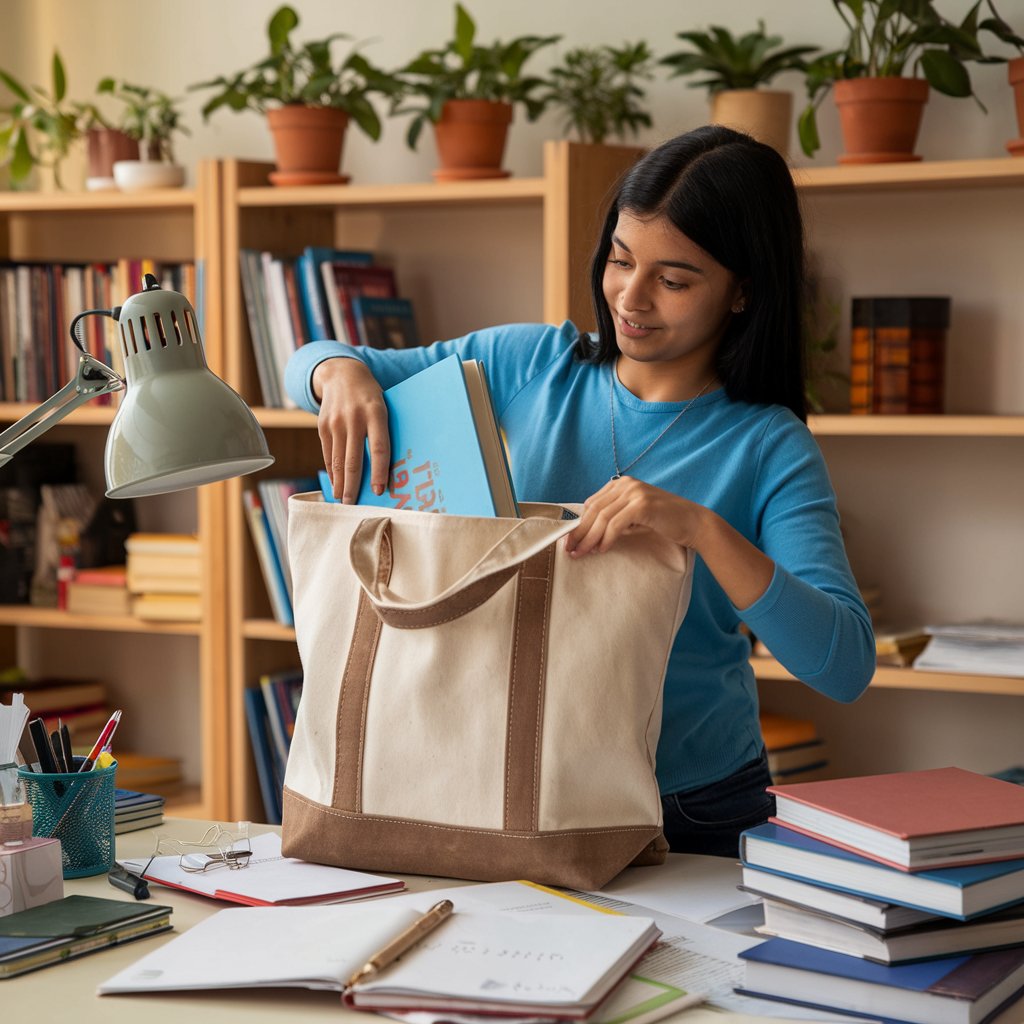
(896, 896)
(164, 576)
(795, 751)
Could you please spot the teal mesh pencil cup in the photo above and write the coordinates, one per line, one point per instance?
(78, 809)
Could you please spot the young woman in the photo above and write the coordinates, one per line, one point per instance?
(685, 415)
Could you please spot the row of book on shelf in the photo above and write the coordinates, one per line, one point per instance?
(322, 293)
(897, 896)
(270, 709)
(84, 706)
(161, 580)
(38, 302)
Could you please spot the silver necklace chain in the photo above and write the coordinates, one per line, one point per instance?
(611, 416)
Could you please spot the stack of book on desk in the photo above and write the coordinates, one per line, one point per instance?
(134, 810)
(900, 896)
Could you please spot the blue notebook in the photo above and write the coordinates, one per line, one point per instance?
(961, 893)
(970, 988)
(446, 450)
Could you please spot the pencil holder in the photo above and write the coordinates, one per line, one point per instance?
(78, 809)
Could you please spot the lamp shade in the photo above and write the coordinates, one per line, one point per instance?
(179, 425)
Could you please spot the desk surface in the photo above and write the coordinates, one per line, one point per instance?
(68, 991)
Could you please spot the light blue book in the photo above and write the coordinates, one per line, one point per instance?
(446, 450)
(962, 892)
(311, 286)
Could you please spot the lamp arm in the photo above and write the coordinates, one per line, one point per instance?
(92, 380)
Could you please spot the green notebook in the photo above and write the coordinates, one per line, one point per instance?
(71, 927)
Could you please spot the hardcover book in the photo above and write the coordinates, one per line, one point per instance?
(385, 323)
(953, 990)
(939, 817)
(342, 282)
(446, 448)
(961, 892)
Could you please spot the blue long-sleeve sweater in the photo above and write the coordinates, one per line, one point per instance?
(757, 466)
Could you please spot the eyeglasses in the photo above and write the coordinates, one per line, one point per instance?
(218, 847)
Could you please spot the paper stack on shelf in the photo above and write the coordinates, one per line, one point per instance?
(164, 572)
(978, 648)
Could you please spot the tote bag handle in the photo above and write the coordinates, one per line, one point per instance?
(371, 556)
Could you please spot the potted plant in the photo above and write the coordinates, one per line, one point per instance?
(877, 76)
(307, 99)
(597, 91)
(735, 70)
(150, 118)
(38, 127)
(1015, 71)
(468, 93)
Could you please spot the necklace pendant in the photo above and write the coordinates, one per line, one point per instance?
(616, 476)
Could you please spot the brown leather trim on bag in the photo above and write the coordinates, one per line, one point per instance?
(355, 692)
(451, 608)
(576, 858)
(526, 692)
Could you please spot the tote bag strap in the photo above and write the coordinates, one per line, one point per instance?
(370, 552)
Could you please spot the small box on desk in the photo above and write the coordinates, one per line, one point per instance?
(34, 873)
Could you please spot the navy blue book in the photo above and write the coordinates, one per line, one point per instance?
(962, 892)
(384, 322)
(263, 754)
(446, 449)
(312, 296)
(954, 990)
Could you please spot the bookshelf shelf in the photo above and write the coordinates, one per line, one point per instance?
(999, 172)
(286, 418)
(910, 679)
(54, 618)
(267, 629)
(87, 416)
(426, 194)
(99, 202)
(917, 426)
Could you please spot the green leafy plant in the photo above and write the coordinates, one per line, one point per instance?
(901, 38)
(302, 74)
(729, 62)
(597, 90)
(463, 70)
(39, 126)
(150, 117)
(1001, 29)
(820, 322)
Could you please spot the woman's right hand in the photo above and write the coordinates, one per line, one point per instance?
(352, 412)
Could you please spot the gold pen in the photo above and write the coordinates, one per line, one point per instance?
(435, 916)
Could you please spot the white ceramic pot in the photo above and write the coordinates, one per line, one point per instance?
(134, 175)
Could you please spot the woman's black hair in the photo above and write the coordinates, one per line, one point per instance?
(734, 197)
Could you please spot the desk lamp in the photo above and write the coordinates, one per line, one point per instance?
(178, 426)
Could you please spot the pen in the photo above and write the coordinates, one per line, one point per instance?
(437, 914)
(44, 752)
(121, 878)
(105, 736)
(57, 746)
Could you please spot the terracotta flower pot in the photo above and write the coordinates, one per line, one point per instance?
(104, 147)
(765, 114)
(880, 118)
(471, 139)
(1015, 72)
(307, 144)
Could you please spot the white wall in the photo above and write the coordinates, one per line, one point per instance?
(173, 45)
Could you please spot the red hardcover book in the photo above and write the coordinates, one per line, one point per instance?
(343, 281)
(937, 818)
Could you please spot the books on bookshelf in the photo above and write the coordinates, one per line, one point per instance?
(290, 300)
(270, 710)
(274, 494)
(446, 447)
(897, 354)
(938, 817)
(982, 648)
(951, 990)
(99, 591)
(795, 751)
(268, 558)
(51, 696)
(148, 773)
(164, 576)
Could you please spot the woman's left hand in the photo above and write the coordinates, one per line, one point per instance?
(625, 505)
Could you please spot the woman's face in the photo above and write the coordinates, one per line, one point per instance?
(669, 300)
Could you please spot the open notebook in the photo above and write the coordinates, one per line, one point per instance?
(555, 967)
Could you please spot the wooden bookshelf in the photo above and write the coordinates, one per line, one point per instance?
(54, 618)
(917, 426)
(997, 172)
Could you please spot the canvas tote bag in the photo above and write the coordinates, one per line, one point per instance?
(476, 704)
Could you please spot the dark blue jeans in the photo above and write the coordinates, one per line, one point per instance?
(710, 819)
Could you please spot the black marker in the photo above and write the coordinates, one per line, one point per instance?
(121, 878)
